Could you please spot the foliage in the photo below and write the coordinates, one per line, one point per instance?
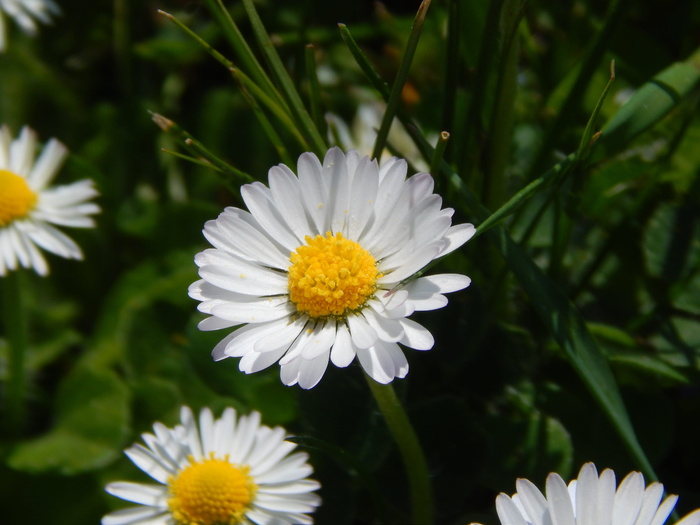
(578, 340)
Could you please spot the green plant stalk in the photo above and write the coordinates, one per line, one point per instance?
(501, 125)
(15, 321)
(274, 103)
(189, 158)
(567, 113)
(563, 225)
(401, 77)
(468, 157)
(314, 89)
(220, 165)
(375, 79)
(439, 153)
(411, 452)
(524, 194)
(296, 105)
(245, 54)
(451, 64)
(268, 128)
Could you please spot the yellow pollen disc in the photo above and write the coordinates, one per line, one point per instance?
(16, 199)
(331, 275)
(211, 492)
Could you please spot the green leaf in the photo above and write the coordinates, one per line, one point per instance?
(92, 426)
(569, 330)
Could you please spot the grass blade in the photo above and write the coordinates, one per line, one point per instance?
(401, 77)
(297, 108)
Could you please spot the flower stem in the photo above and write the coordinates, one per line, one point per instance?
(410, 449)
(16, 333)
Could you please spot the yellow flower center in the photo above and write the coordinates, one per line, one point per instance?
(331, 275)
(211, 492)
(16, 198)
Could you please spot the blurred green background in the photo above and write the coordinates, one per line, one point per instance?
(113, 339)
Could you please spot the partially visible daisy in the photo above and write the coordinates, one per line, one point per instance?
(25, 13)
(29, 205)
(315, 271)
(590, 500)
(361, 134)
(227, 471)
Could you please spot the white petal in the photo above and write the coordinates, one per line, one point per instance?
(383, 362)
(456, 236)
(255, 361)
(281, 338)
(244, 439)
(387, 329)
(319, 341)
(343, 351)
(47, 165)
(138, 516)
(260, 310)
(297, 487)
(532, 500)
(562, 511)
(440, 283)
(151, 495)
(245, 337)
(664, 510)
(311, 371)
(313, 190)
(416, 336)
(691, 519)
(214, 323)
(50, 239)
(244, 239)
(257, 198)
(335, 173)
(363, 335)
(22, 152)
(650, 503)
(508, 512)
(587, 495)
(363, 195)
(284, 186)
(628, 499)
(149, 463)
(413, 263)
(240, 276)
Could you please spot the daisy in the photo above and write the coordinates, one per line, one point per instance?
(362, 131)
(316, 270)
(29, 207)
(24, 13)
(590, 500)
(228, 471)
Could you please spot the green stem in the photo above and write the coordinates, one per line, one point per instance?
(410, 449)
(392, 104)
(16, 331)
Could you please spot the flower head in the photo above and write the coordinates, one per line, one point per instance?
(25, 13)
(590, 500)
(29, 207)
(228, 471)
(315, 270)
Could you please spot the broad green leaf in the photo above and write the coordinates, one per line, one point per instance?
(92, 425)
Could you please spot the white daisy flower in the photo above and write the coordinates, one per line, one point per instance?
(361, 134)
(229, 471)
(29, 206)
(26, 13)
(590, 500)
(313, 270)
